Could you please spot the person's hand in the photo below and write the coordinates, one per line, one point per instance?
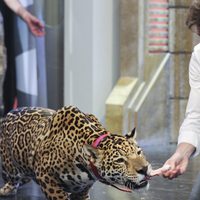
(178, 165)
(178, 162)
(34, 24)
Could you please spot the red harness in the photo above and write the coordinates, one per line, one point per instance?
(96, 143)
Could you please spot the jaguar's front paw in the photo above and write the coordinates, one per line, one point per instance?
(77, 197)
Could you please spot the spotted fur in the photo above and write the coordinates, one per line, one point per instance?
(56, 150)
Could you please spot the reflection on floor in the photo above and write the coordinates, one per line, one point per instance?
(159, 189)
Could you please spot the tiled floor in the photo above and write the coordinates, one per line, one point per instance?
(159, 189)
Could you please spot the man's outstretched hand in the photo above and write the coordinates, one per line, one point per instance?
(177, 163)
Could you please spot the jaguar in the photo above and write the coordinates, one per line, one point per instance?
(66, 152)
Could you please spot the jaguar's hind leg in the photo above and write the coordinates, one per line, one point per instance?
(11, 183)
(10, 174)
(8, 189)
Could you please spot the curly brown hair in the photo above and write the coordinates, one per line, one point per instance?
(193, 17)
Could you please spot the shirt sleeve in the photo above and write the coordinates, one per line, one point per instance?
(190, 128)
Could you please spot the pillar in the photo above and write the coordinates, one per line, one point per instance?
(180, 47)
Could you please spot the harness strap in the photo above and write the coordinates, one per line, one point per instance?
(95, 171)
(99, 139)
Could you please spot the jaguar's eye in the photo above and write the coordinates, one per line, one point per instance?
(120, 160)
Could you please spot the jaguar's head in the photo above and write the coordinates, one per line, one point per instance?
(118, 161)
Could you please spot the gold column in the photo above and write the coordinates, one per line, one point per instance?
(129, 12)
(119, 98)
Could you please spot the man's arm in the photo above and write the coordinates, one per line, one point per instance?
(15, 6)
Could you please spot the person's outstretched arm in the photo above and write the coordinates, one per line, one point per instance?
(35, 25)
(189, 135)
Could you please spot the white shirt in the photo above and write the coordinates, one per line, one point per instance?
(190, 128)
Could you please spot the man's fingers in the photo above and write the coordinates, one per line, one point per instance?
(160, 171)
(172, 173)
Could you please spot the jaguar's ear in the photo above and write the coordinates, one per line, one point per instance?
(131, 135)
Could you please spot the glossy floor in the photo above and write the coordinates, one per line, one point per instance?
(183, 188)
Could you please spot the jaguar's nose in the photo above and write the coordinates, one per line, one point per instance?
(143, 170)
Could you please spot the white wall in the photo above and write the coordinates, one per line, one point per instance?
(91, 53)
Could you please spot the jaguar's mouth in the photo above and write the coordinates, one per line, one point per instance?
(130, 186)
(133, 186)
